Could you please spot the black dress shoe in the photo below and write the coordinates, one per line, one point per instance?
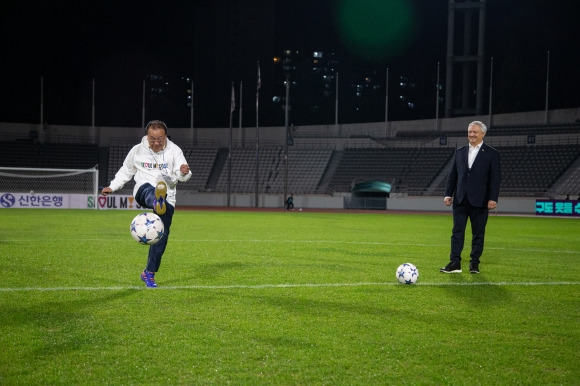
(474, 267)
(451, 268)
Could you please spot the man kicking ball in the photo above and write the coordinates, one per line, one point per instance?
(157, 165)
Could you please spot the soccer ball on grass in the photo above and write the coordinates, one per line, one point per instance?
(147, 228)
(407, 273)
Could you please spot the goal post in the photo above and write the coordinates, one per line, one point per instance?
(39, 181)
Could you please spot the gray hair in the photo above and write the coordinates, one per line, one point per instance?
(480, 124)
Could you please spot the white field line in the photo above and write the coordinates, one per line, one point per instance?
(268, 241)
(371, 243)
(274, 286)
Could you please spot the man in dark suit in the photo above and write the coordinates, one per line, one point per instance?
(473, 189)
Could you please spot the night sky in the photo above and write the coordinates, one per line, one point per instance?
(118, 42)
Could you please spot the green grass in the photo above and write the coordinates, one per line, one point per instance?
(286, 298)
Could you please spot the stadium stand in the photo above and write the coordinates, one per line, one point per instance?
(408, 170)
(201, 161)
(117, 153)
(548, 167)
(30, 154)
(305, 169)
(503, 130)
(530, 171)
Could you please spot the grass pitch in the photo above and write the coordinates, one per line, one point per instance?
(286, 298)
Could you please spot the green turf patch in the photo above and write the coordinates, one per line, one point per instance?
(286, 298)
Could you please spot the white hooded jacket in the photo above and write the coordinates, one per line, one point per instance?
(150, 167)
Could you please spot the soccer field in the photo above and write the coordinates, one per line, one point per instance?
(286, 298)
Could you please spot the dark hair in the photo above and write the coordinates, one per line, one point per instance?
(156, 125)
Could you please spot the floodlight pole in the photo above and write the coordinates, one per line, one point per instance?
(437, 100)
(41, 100)
(547, 86)
(286, 125)
(387, 105)
(191, 109)
(257, 187)
(143, 107)
(490, 119)
(336, 106)
(93, 107)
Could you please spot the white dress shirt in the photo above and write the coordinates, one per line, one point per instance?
(473, 150)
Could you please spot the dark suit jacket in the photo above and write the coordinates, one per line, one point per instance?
(481, 183)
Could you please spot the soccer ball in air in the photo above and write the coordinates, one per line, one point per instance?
(407, 273)
(147, 228)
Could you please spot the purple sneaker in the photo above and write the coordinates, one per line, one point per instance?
(149, 279)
